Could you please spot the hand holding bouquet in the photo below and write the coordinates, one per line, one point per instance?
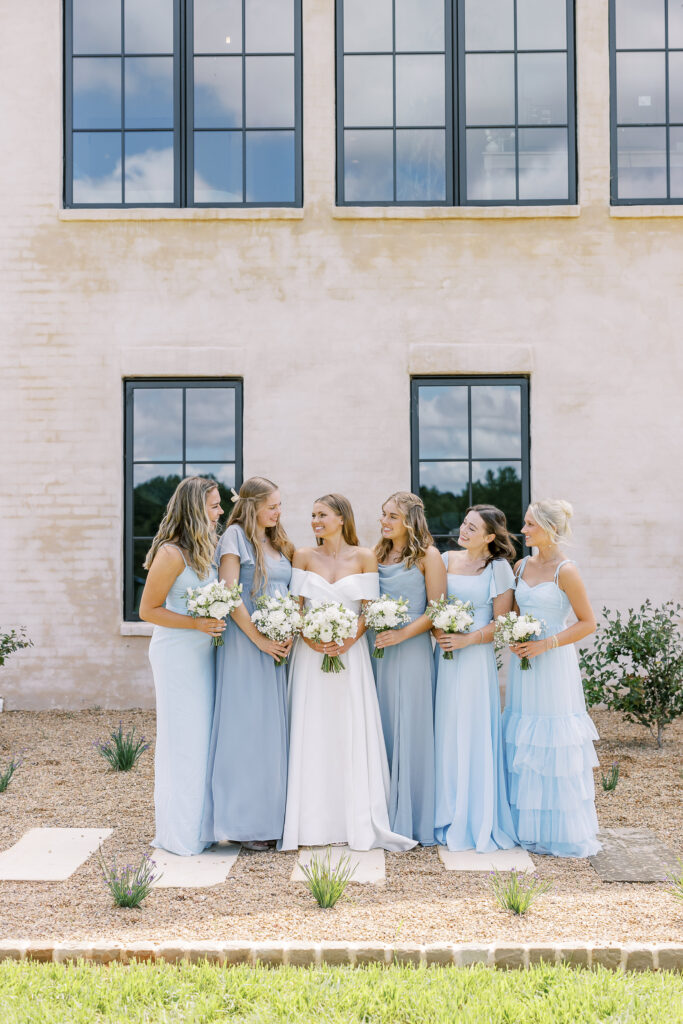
(452, 616)
(386, 613)
(215, 601)
(328, 623)
(278, 617)
(516, 629)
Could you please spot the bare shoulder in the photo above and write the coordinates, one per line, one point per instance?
(517, 565)
(569, 574)
(367, 559)
(168, 556)
(302, 557)
(432, 557)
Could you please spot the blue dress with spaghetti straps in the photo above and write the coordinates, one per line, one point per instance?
(549, 737)
(472, 808)
(247, 776)
(183, 662)
(405, 691)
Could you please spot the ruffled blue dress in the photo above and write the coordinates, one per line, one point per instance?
(247, 775)
(549, 737)
(405, 690)
(472, 807)
(183, 662)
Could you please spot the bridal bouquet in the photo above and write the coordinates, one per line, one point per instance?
(516, 629)
(215, 601)
(386, 613)
(452, 616)
(328, 623)
(277, 617)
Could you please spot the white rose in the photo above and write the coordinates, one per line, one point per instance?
(219, 609)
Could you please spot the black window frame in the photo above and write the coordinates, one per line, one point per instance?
(130, 385)
(469, 381)
(615, 125)
(183, 127)
(456, 149)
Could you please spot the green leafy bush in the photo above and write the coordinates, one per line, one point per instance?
(8, 771)
(131, 885)
(609, 781)
(13, 641)
(121, 750)
(636, 666)
(518, 891)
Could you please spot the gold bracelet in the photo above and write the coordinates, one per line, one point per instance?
(555, 642)
(481, 632)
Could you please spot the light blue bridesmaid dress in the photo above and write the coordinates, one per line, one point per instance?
(405, 691)
(549, 737)
(472, 808)
(247, 777)
(183, 663)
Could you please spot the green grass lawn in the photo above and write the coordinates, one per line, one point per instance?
(82, 994)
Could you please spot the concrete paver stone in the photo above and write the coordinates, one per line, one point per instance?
(501, 860)
(198, 872)
(369, 865)
(50, 854)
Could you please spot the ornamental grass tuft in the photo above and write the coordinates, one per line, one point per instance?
(122, 751)
(675, 882)
(609, 781)
(132, 884)
(518, 891)
(8, 771)
(328, 883)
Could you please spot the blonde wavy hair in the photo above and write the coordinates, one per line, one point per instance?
(341, 506)
(553, 515)
(187, 524)
(254, 493)
(419, 538)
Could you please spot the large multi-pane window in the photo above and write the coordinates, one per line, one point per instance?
(646, 41)
(183, 103)
(470, 446)
(173, 429)
(455, 101)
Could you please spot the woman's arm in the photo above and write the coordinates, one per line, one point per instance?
(164, 571)
(229, 572)
(436, 585)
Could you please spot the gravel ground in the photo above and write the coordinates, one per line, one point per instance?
(64, 782)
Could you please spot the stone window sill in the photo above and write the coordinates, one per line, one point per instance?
(629, 212)
(453, 212)
(136, 629)
(174, 213)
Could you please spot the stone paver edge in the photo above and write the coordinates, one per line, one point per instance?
(628, 957)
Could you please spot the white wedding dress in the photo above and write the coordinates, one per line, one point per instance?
(338, 781)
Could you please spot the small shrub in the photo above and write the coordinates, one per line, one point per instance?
(122, 752)
(675, 885)
(518, 891)
(7, 772)
(13, 641)
(132, 884)
(609, 781)
(326, 883)
(636, 666)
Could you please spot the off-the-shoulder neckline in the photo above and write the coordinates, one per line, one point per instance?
(330, 582)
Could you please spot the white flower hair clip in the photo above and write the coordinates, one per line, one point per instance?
(234, 496)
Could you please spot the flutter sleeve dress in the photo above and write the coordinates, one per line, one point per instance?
(247, 773)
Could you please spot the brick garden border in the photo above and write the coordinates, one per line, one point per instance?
(629, 957)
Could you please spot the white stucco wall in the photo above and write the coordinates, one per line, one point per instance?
(325, 314)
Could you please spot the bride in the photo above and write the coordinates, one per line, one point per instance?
(338, 783)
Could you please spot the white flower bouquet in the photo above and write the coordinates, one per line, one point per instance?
(386, 613)
(516, 629)
(278, 617)
(214, 601)
(452, 616)
(327, 623)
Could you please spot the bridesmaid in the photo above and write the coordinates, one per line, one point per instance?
(182, 658)
(411, 567)
(548, 732)
(247, 774)
(472, 808)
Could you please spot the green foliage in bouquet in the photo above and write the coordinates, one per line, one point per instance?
(13, 641)
(325, 882)
(636, 666)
